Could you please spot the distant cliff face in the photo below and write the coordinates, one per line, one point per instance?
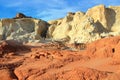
(23, 29)
(96, 23)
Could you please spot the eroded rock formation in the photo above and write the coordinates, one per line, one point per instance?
(21, 15)
(99, 61)
(79, 27)
(23, 29)
(96, 23)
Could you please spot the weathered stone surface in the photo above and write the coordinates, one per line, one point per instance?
(23, 29)
(100, 60)
(6, 75)
(79, 27)
(82, 30)
(98, 13)
(21, 15)
(98, 22)
(78, 16)
(114, 18)
(56, 22)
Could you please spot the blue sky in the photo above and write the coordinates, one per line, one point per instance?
(48, 9)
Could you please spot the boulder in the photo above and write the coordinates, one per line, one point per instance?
(21, 15)
(98, 13)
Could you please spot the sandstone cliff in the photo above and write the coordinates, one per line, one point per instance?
(23, 29)
(96, 23)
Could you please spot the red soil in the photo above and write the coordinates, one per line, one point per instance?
(99, 61)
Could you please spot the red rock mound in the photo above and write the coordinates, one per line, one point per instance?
(106, 47)
(84, 74)
(11, 46)
(54, 61)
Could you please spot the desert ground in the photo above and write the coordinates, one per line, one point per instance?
(99, 60)
(79, 46)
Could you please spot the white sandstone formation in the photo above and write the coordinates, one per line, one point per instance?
(98, 22)
(79, 27)
(23, 29)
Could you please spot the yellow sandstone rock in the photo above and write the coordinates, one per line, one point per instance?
(80, 27)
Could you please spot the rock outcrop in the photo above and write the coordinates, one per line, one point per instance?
(21, 15)
(114, 13)
(23, 29)
(98, 22)
(79, 27)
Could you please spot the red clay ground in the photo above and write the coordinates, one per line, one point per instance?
(52, 61)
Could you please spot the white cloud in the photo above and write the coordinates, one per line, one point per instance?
(52, 9)
(45, 9)
(54, 13)
(15, 4)
(33, 3)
